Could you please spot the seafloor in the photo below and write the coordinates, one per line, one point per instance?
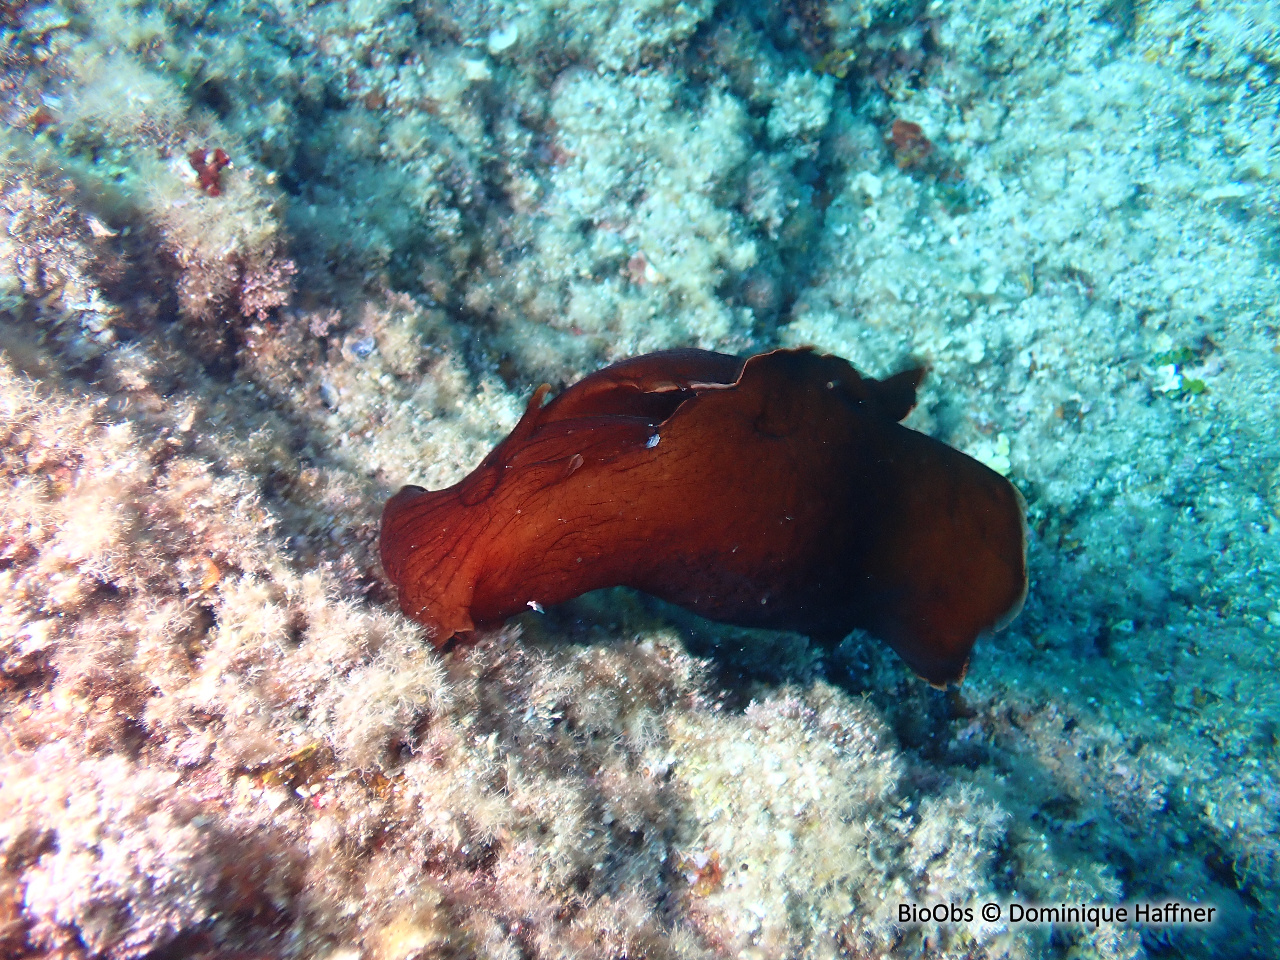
(220, 738)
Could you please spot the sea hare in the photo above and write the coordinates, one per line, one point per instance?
(780, 491)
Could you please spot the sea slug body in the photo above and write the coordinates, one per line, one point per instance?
(784, 493)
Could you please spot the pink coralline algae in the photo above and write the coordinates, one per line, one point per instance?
(208, 165)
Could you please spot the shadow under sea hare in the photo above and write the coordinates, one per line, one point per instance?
(780, 491)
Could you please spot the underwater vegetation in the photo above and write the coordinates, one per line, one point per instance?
(208, 166)
(779, 491)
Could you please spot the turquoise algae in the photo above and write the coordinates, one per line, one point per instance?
(217, 733)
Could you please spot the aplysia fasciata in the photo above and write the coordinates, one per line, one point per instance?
(780, 491)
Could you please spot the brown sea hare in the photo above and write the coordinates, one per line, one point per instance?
(779, 491)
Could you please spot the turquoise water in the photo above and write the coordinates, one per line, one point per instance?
(218, 733)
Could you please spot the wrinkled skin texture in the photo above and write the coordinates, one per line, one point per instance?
(777, 492)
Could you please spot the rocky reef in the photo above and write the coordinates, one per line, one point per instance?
(264, 261)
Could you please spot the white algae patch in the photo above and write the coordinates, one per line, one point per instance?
(219, 736)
